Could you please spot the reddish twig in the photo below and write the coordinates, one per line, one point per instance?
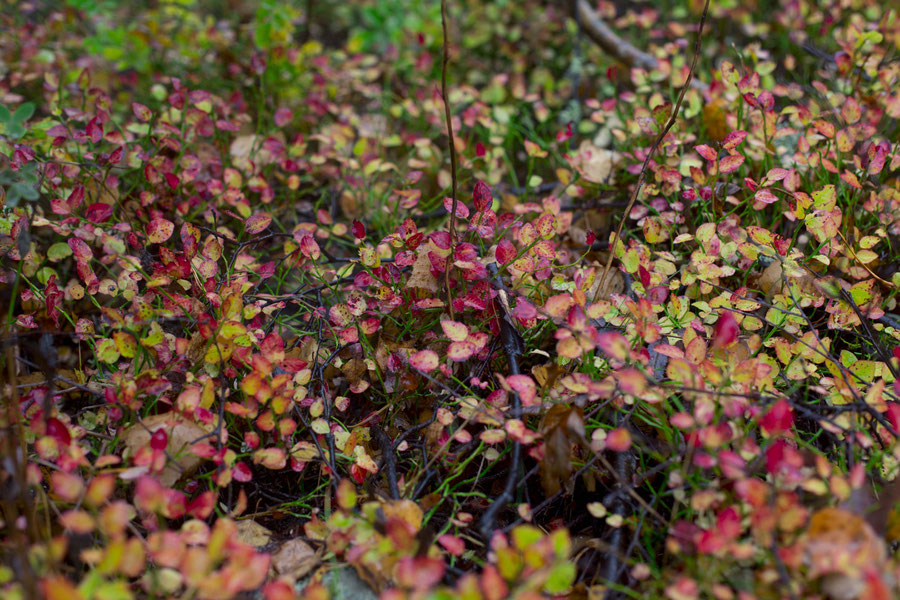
(446, 59)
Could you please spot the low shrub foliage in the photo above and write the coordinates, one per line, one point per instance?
(246, 343)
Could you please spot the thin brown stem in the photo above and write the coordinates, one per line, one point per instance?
(447, 115)
(653, 148)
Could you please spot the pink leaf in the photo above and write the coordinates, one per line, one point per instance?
(73, 201)
(159, 230)
(765, 196)
(141, 112)
(460, 351)
(455, 330)
(257, 223)
(524, 385)
(283, 116)
(776, 174)
(424, 360)
(462, 210)
(80, 249)
(505, 252)
(454, 545)
(730, 163)
(613, 344)
(618, 440)
(241, 472)
(706, 152)
(733, 139)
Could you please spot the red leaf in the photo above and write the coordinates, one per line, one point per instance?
(58, 431)
(172, 180)
(505, 252)
(358, 229)
(726, 330)
(94, 130)
(241, 472)
(98, 212)
(159, 440)
(482, 196)
(778, 419)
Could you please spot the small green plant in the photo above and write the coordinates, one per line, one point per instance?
(14, 123)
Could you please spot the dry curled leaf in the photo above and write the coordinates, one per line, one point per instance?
(562, 427)
(196, 349)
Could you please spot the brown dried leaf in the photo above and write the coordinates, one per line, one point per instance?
(562, 427)
(252, 533)
(421, 276)
(405, 510)
(181, 435)
(354, 369)
(595, 163)
(196, 348)
(547, 375)
(615, 284)
(770, 280)
(246, 148)
(350, 205)
(295, 558)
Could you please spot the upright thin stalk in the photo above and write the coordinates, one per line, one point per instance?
(445, 60)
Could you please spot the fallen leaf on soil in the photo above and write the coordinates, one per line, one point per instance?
(252, 533)
(182, 434)
(296, 558)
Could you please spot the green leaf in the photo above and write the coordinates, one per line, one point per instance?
(24, 112)
(15, 130)
(5, 117)
(24, 191)
(107, 351)
(524, 536)
(561, 577)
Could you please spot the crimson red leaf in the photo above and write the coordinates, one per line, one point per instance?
(482, 196)
(726, 330)
(98, 212)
